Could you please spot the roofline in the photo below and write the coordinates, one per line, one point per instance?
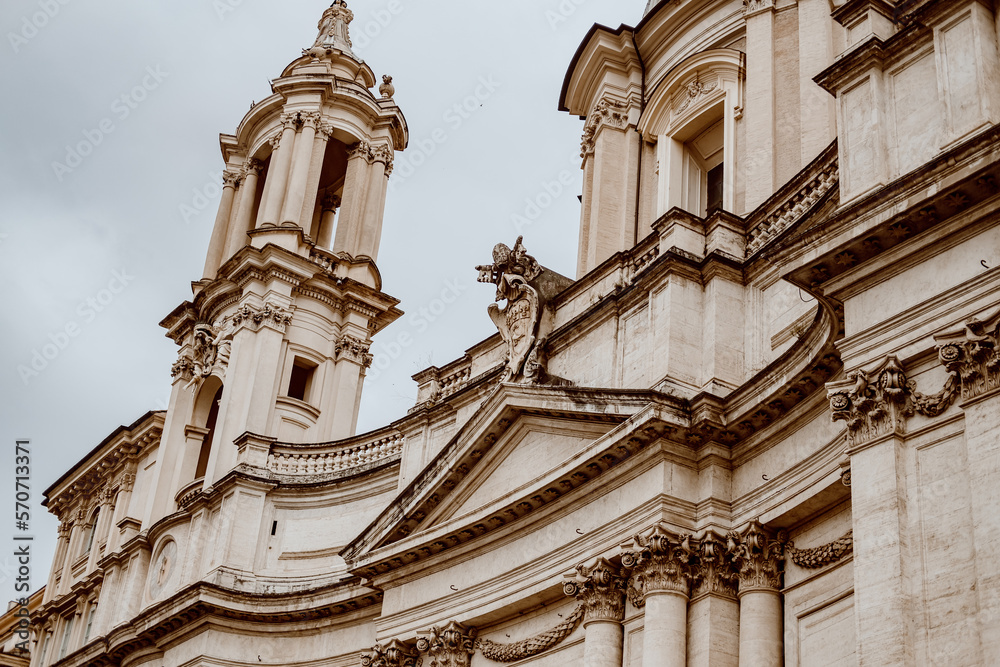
(579, 52)
(114, 434)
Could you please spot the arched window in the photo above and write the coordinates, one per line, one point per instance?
(206, 444)
(692, 116)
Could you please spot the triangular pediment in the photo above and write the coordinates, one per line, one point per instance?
(522, 449)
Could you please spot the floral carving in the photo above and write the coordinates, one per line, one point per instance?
(533, 645)
(606, 111)
(393, 654)
(253, 317)
(758, 557)
(450, 646)
(972, 356)
(817, 557)
(661, 561)
(876, 403)
(693, 91)
(600, 590)
(353, 349)
(715, 572)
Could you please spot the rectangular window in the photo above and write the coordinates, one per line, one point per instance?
(67, 631)
(715, 182)
(301, 380)
(90, 621)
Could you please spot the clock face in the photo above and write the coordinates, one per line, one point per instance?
(162, 568)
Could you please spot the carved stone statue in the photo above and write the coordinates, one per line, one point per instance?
(387, 89)
(525, 322)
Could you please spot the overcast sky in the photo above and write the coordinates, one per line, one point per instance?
(108, 189)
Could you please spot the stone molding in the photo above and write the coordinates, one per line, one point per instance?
(758, 556)
(794, 208)
(877, 403)
(393, 654)
(607, 111)
(600, 590)
(448, 646)
(531, 646)
(657, 563)
(972, 356)
(353, 349)
(817, 557)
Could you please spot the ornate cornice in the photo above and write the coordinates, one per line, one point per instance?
(600, 590)
(657, 563)
(758, 556)
(393, 654)
(450, 646)
(972, 356)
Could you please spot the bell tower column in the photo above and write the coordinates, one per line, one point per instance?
(277, 178)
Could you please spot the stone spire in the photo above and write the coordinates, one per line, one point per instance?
(334, 33)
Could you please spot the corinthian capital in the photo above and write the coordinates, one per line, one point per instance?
(759, 558)
(600, 590)
(393, 654)
(715, 573)
(660, 562)
(353, 349)
(973, 355)
(450, 646)
(230, 178)
(873, 403)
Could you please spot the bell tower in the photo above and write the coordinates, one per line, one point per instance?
(274, 344)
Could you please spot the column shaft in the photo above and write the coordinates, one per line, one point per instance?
(217, 245)
(761, 642)
(371, 228)
(664, 633)
(277, 177)
(714, 632)
(312, 183)
(291, 210)
(243, 223)
(603, 646)
(356, 186)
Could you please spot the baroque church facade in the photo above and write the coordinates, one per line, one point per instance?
(759, 427)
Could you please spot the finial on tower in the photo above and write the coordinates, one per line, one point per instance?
(334, 33)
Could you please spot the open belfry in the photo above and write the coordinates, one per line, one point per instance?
(759, 427)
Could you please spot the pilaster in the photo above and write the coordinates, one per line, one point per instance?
(714, 612)
(760, 112)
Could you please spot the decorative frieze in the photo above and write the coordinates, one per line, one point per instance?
(353, 349)
(600, 590)
(758, 556)
(825, 554)
(450, 646)
(662, 561)
(972, 355)
(393, 654)
(531, 646)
